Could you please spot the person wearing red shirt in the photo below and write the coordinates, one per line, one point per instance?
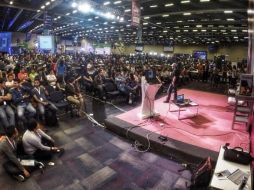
(22, 75)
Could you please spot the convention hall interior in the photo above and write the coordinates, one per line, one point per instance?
(126, 94)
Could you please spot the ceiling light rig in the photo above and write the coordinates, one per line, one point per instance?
(89, 8)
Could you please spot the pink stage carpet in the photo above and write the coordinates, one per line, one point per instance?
(209, 130)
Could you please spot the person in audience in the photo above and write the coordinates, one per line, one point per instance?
(61, 69)
(8, 152)
(73, 96)
(1, 74)
(131, 88)
(33, 74)
(165, 75)
(17, 69)
(234, 76)
(206, 72)
(51, 78)
(6, 112)
(60, 84)
(10, 83)
(40, 97)
(22, 75)
(200, 70)
(9, 71)
(42, 76)
(21, 100)
(99, 81)
(37, 143)
(86, 79)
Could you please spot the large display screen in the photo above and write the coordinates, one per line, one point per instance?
(168, 49)
(139, 48)
(5, 42)
(46, 42)
(103, 51)
(200, 55)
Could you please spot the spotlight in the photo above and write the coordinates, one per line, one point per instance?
(109, 15)
(74, 4)
(85, 8)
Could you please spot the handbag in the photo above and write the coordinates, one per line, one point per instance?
(237, 155)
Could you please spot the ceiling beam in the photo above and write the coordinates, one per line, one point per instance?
(15, 18)
(195, 12)
(17, 7)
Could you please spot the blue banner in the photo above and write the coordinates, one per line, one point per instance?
(5, 42)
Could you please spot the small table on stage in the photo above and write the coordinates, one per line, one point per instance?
(224, 183)
(183, 106)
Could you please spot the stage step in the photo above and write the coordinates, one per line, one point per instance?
(240, 118)
(243, 109)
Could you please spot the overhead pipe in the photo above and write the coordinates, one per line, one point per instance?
(14, 19)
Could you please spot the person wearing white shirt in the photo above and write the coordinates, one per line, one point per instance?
(37, 143)
(10, 83)
(51, 78)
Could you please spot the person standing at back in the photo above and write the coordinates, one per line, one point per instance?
(61, 69)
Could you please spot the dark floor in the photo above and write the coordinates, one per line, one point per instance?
(97, 159)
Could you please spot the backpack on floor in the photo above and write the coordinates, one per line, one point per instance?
(202, 175)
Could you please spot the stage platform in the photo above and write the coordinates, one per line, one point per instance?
(190, 139)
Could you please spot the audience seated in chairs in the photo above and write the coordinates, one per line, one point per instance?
(8, 152)
(99, 82)
(38, 144)
(74, 96)
(86, 80)
(21, 101)
(131, 88)
(7, 114)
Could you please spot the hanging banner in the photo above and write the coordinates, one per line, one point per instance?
(135, 13)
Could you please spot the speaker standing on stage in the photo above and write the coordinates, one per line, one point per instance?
(173, 85)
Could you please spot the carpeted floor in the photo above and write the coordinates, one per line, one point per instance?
(96, 159)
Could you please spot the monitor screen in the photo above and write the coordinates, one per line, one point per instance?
(180, 98)
(200, 55)
(103, 50)
(213, 48)
(5, 42)
(168, 49)
(150, 74)
(46, 42)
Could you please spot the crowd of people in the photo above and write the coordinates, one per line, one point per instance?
(28, 81)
